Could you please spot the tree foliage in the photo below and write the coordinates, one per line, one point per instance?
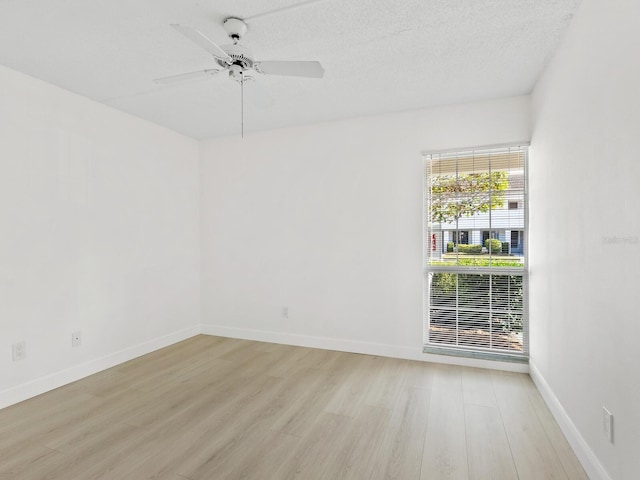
(464, 195)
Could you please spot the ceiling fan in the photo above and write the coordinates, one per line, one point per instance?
(238, 60)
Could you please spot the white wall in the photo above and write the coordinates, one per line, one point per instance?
(327, 220)
(585, 250)
(99, 221)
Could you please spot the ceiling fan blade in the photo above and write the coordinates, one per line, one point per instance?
(186, 76)
(295, 69)
(203, 41)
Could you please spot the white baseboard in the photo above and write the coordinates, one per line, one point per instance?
(587, 458)
(47, 383)
(367, 348)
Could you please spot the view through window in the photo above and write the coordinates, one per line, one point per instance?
(475, 219)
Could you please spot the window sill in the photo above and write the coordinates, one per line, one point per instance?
(455, 352)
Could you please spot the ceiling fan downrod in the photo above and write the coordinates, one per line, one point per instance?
(242, 105)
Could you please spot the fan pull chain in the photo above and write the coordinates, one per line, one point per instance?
(242, 104)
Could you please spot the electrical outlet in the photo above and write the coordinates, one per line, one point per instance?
(285, 312)
(76, 339)
(19, 351)
(607, 424)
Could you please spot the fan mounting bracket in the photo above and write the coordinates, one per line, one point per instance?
(235, 27)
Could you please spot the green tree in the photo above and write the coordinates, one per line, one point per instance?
(464, 195)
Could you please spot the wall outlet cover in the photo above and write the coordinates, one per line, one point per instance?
(19, 351)
(607, 424)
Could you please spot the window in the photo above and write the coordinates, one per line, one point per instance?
(486, 234)
(463, 237)
(516, 239)
(475, 293)
(513, 205)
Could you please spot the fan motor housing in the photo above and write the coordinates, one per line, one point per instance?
(240, 55)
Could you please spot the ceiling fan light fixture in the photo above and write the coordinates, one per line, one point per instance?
(239, 74)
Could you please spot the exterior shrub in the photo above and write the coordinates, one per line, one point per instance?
(479, 262)
(449, 247)
(493, 245)
(472, 249)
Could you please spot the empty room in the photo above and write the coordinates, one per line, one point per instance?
(318, 239)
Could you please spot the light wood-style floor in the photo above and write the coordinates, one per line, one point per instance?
(215, 408)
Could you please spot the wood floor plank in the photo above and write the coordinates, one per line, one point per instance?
(488, 451)
(368, 452)
(417, 374)
(307, 394)
(386, 384)
(38, 431)
(559, 442)
(320, 453)
(249, 408)
(351, 394)
(256, 453)
(406, 433)
(17, 466)
(82, 426)
(533, 454)
(20, 416)
(445, 446)
(477, 387)
(219, 408)
(289, 363)
(93, 458)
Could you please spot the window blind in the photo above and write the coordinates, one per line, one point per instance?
(475, 269)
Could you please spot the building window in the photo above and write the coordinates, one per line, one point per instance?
(462, 237)
(516, 239)
(513, 205)
(486, 234)
(475, 294)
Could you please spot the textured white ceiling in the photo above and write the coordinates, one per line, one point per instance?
(379, 55)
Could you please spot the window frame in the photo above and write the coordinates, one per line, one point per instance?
(429, 269)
